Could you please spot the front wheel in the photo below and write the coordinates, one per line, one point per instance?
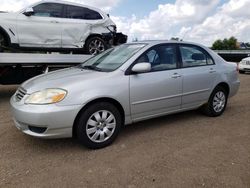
(217, 102)
(99, 125)
(95, 45)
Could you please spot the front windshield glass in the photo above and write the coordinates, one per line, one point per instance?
(113, 58)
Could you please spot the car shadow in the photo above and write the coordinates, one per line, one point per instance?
(128, 132)
(169, 121)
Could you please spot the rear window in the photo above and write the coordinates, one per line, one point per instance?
(75, 12)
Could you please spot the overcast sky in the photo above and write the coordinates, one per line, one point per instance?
(200, 21)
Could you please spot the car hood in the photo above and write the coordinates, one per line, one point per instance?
(8, 15)
(65, 79)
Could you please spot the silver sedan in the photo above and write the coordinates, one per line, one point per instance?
(125, 84)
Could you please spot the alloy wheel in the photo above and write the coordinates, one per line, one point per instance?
(219, 101)
(96, 46)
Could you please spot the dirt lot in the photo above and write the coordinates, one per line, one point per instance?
(183, 150)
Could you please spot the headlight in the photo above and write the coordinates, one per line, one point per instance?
(243, 62)
(47, 96)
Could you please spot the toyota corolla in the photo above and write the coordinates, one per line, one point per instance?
(126, 84)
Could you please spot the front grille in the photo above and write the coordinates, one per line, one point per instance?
(21, 92)
(247, 62)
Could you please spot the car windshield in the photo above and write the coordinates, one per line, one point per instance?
(113, 58)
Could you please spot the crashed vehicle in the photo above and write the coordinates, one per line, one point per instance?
(58, 25)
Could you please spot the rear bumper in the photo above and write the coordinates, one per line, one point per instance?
(234, 88)
(114, 38)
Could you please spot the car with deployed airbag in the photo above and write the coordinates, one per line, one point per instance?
(126, 84)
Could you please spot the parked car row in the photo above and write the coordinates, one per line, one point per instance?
(126, 84)
(53, 25)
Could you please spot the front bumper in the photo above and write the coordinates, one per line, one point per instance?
(44, 121)
(244, 67)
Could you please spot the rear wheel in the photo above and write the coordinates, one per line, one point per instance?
(2, 42)
(99, 125)
(95, 45)
(217, 102)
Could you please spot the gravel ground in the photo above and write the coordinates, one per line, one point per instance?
(182, 150)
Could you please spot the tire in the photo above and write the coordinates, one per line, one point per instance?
(95, 45)
(217, 102)
(2, 42)
(241, 71)
(98, 125)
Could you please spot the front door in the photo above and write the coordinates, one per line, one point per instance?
(43, 28)
(159, 91)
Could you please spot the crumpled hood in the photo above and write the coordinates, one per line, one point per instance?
(65, 79)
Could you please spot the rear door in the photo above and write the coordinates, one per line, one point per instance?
(158, 91)
(43, 28)
(77, 25)
(199, 73)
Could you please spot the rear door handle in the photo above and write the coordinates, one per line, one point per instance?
(176, 75)
(212, 70)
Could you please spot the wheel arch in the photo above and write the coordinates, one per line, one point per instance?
(225, 86)
(92, 35)
(103, 99)
(6, 35)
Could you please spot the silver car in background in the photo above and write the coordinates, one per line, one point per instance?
(123, 85)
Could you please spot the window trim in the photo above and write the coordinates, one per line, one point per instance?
(178, 63)
(197, 47)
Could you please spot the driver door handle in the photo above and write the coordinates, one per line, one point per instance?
(176, 75)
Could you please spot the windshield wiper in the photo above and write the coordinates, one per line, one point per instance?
(91, 67)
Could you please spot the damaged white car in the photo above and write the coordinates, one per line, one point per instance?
(53, 25)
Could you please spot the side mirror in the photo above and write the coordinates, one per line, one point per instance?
(141, 67)
(28, 12)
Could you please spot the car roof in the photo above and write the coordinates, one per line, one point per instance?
(155, 42)
(71, 3)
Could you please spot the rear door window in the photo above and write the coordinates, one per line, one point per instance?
(75, 12)
(193, 56)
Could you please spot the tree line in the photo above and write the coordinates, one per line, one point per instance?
(229, 44)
